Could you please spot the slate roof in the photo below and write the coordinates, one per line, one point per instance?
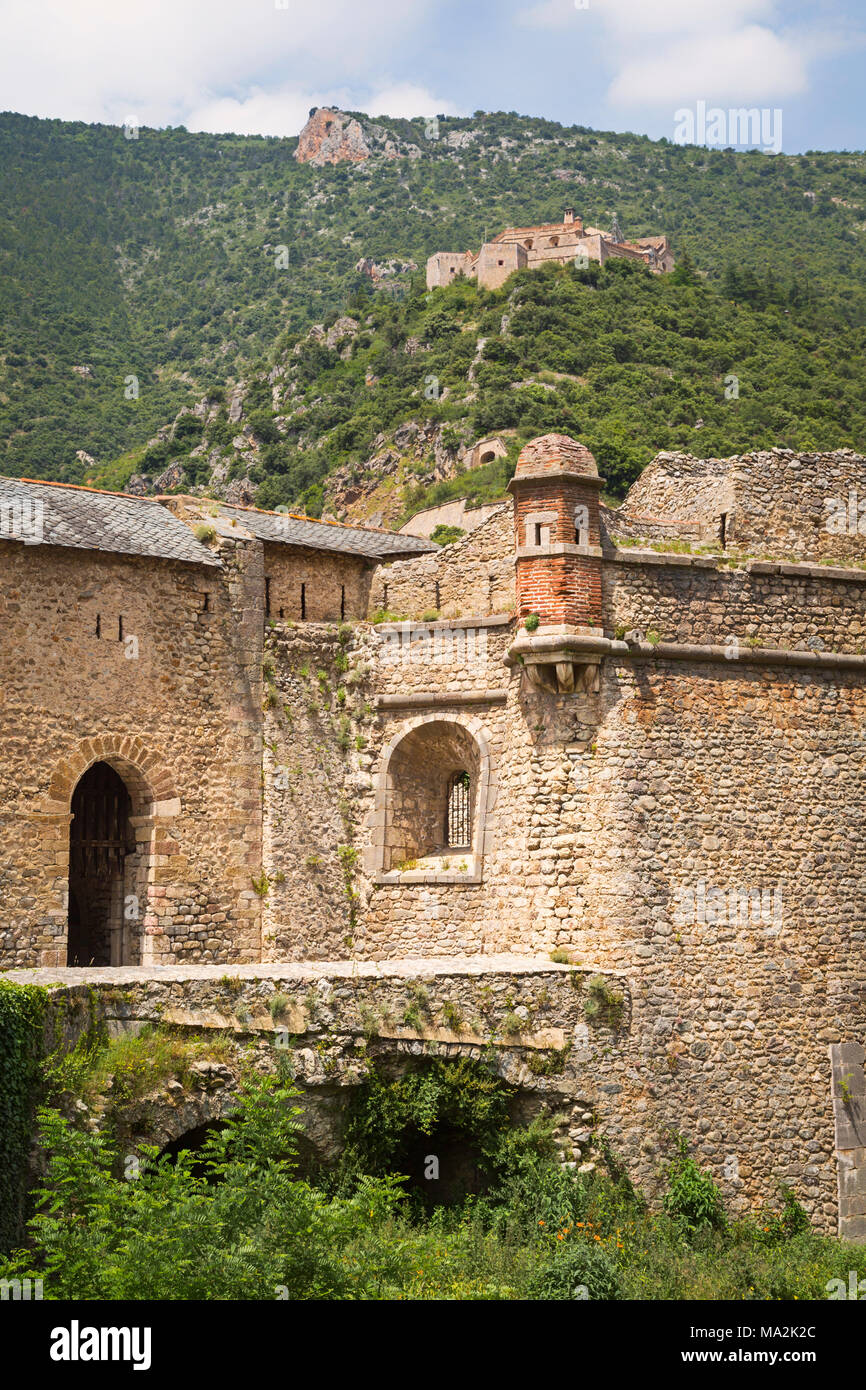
(287, 529)
(89, 519)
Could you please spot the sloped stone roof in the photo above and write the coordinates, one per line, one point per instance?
(40, 513)
(287, 529)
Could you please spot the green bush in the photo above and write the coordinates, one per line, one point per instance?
(446, 535)
(235, 1222)
(692, 1197)
(579, 1271)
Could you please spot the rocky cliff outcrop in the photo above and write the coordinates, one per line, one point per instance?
(335, 137)
(331, 137)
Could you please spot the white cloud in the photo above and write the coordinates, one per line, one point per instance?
(549, 14)
(197, 61)
(752, 65)
(405, 99)
(260, 113)
(631, 17)
(664, 52)
(283, 112)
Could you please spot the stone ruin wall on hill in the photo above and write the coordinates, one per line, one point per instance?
(778, 503)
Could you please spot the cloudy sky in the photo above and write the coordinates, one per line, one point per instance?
(257, 66)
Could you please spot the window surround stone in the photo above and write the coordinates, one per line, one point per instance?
(374, 855)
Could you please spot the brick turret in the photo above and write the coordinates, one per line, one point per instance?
(558, 567)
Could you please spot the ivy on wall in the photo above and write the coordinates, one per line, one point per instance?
(22, 1016)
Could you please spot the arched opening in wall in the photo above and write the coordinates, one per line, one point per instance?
(443, 1167)
(438, 1121)
(101, 844)
(434, 800)
(308, 1160)
(191, 1142)
(488, 456)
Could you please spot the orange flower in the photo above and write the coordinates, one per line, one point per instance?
(579, 1223)
(541, 1223)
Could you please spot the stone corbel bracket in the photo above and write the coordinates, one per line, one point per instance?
(558, 663)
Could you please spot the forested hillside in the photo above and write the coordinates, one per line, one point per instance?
(158, 259)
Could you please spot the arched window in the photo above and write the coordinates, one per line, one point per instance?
(432, 802)
(458, 828)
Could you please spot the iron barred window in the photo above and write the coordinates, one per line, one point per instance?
(457, 828)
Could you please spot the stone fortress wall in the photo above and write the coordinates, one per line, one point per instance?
(695, 824)
(147, 665)
(777, 503)
(305, 585)
(473, 576)
(646, 794)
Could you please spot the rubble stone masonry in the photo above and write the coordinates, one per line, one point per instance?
(692, 822)
(155, 668)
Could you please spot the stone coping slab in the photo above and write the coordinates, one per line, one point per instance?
(805, 569)
(411, 967)
(528, 648)
(412, 700)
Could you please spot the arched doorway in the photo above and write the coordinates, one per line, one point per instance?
(101, 840)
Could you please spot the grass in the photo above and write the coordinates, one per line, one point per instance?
(277, 1006)
(604, 1004)
(130, 1066)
